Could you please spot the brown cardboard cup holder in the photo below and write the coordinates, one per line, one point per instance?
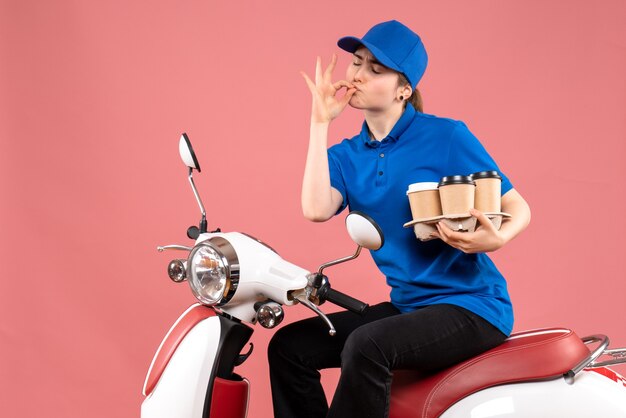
(450, 201)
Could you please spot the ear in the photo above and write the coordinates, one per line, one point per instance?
(405, 91)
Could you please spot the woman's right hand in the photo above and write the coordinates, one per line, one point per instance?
(326, 106)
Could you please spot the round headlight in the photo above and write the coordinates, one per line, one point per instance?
(213, 271)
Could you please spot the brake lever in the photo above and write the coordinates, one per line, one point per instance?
(162, 248)
(303, 298)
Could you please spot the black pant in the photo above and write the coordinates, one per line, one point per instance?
(368, 348)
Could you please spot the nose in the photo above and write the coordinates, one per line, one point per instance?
(357, 78)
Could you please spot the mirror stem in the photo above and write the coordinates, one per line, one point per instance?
(203, 224)
(341, 260)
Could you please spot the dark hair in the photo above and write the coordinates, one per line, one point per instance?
(416, 97)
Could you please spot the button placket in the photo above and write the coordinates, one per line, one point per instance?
(381, 165)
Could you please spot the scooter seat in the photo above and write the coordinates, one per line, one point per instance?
(530, 355)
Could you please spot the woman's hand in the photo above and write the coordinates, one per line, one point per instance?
(326, 106)
(485, 238)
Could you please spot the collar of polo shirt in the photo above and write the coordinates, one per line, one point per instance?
(396, 132)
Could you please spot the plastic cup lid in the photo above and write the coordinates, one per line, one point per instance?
(456, 179)
(425, 185)
(486, 175)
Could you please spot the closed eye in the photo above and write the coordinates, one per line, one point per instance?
(357, 64)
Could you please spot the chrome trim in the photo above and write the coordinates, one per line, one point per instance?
(340, 260)
(171, 272)
(604, 343)
(245, 414)
(231, 261)
(303, 298)
(195, 192)
(270, 314)
(174, 247)
(618, 354)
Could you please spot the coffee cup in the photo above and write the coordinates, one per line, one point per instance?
(488, 186)
(456, 194)
(424, 199)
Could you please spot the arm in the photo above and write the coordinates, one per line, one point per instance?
(320, 201)
(486, 237)
(514, 203)
(468, 155)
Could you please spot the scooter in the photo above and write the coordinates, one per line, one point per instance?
(239, 280)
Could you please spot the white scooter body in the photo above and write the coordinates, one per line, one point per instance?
(181, 389)
(191, 374)
(187, 377)
(591, 395)
(263, 275)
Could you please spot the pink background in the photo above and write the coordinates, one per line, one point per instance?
(94, 96)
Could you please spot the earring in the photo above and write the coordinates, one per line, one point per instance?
(401, 98)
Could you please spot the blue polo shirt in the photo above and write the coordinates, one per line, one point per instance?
(373, 177)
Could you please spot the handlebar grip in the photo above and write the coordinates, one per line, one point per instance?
(345, 301)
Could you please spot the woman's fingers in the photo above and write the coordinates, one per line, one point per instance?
(318, 71)
(343, 83)
(443, 235)
(449, 236)
(336, 86)
(485, 222)
(346, 97)
(325, 104)
(324, 79)
(309, 82)
(329, 70)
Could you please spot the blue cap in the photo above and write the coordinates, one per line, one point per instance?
(395, 46)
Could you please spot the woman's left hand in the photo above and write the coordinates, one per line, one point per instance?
(485, 237)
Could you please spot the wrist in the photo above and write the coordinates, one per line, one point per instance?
(504, 234)
(322, 123)
(319, 130)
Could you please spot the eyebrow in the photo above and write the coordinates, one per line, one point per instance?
(373, 60)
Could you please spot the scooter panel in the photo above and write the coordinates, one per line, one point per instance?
(181, 391)
(591, 395)
(175, 335)
(229, 399)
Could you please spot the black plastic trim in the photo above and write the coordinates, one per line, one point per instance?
(193, 154)
(233, 337)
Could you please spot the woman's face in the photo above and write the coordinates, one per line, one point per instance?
(377, 85)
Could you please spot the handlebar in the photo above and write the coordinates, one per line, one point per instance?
(318, 291)
(343, 300)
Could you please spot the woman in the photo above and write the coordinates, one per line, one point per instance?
(448, 301)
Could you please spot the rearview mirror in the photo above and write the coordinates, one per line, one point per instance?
(364, 231)
(186, 153)
(189, 158)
